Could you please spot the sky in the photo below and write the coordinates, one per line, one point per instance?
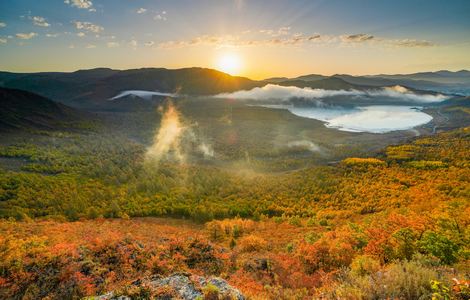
(252, 38)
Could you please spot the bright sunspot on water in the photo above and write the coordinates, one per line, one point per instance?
(229, 63)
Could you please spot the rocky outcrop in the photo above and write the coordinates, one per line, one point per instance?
(177, 286)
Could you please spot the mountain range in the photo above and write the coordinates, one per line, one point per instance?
(442, 81)
(91, 89)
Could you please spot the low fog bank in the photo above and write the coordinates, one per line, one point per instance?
(147, 95)
(276, 93)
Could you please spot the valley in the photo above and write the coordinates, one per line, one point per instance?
(234, 150)
(260, 192)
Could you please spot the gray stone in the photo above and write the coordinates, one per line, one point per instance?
(184, 285)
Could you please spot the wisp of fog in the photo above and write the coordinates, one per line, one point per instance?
(175, 139)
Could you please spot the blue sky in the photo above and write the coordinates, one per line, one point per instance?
(269, 38)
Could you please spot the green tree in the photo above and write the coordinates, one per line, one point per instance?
(439, 246)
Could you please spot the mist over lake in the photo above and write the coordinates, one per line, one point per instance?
(375, 110)
(374, 118)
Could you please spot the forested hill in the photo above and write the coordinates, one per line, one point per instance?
(86, 88)
(25, 110)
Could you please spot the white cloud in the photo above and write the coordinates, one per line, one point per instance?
(3, 41)
(112, 45)
(40, 21)
(81, 4)
(2, 24)
(149, 44)
(81, 34)
(160, 16)
(285, 93)
(141, 10)
(88, 26)
(26, 36)
(133, 44)
(52, 35)
(90, 46)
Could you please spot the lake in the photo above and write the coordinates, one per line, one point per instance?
(374, 118)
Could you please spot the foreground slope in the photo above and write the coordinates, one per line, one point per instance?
(392, 226)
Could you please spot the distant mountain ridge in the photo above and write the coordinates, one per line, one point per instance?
(462, 74)
(441, 81)
(91, 89)
(327, 83)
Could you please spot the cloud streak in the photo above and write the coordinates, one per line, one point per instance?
(284, 37)
(26, 36)
(357, 38)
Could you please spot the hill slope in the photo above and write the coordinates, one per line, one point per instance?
(21, 109)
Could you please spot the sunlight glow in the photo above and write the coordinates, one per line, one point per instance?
(229, 63)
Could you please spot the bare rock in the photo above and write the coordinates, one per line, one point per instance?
(183, 286)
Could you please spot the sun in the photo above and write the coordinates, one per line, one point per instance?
(229, 63)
